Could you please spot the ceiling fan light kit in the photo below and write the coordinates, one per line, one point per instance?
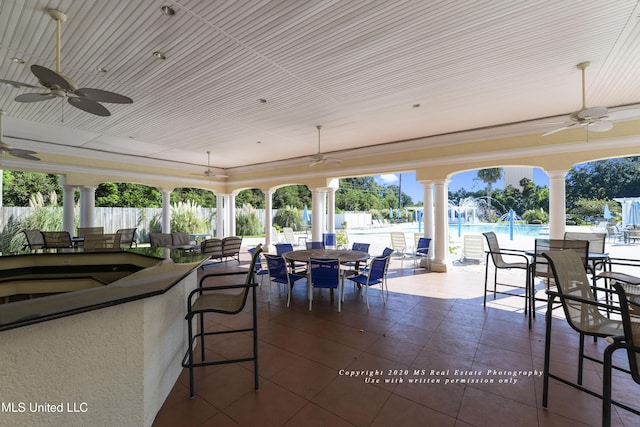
(60, 86)
(320, 157)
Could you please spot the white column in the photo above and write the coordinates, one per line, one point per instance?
(68, 209)
(557, 204)
(268, 218)
(427, 218)
(331, 210)
(166, 211)
(87, 206)
(440, 241)
(221, 200)
(318, 209)
(231, 213)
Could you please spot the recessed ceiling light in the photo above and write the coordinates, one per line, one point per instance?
(416, 105)
(259, 142)
(17, 60)
(159, 55)
(168, 10)
(262, 101)
(101, 69)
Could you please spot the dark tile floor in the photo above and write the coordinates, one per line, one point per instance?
(431, 356)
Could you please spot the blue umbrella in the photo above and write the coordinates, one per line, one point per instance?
(420, 215)
(305, 214)
(607, 213)
(390, 213)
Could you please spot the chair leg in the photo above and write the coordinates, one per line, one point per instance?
(547, 353)
(201, 318)
(366, 294)
(486, 280)
(581, 358)
(606, 386)
(192, 392)
(255, 339)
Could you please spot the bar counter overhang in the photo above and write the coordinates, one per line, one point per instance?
(105, 355)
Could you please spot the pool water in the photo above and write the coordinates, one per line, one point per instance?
(522, 230)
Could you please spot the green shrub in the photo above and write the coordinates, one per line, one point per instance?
(185, 218)
(288, 217)
(247, 222)
(535, 216)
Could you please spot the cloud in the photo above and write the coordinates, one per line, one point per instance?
(388, 178)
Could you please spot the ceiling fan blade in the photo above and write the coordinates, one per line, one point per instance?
(592, 113)
(572, 125)
(103, 96)
(627, 114)
(23, 154)
(17, 85)
(600, 126)
(50, 78)
(34, 97)
(89, 106)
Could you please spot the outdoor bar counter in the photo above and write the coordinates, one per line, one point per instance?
(106, 351)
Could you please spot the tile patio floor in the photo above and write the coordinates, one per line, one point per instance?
(432, 327)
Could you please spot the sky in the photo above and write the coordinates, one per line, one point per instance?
(466, 180)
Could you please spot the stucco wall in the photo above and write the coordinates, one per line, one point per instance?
(113, 366)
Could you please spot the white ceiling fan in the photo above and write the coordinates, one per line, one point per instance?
(320, 157)
(209, 173)
(59, 86)
(15, 152)
(596, 119)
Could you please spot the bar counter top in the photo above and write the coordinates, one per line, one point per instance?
(155, 271)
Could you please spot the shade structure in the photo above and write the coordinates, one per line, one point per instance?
(305, 215)
(607, 213)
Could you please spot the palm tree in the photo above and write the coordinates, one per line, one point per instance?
(489, 176)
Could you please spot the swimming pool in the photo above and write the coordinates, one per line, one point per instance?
(522, 230)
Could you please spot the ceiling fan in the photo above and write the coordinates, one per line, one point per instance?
(596, 119)
(209, 173)
(320, 157)
(15, 152)
(59, 86)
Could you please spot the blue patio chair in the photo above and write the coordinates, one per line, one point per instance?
(422, 251)
(387, 252)
(325, 273)
(279, 273)
(259, 269)
(358, 267)
(315, 245)
(283, 248)
(376, 275)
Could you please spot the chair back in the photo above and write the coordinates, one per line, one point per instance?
(398, 241)
(541, 266)
(422, 247)
(56, 239)
(83, 231)
(494, 250)
(255, 259)
(283, 248)
(94, 242)
(180, 239)
(277, 266)
(324, 273)
(362, 247)
(571, 280)
(289, 236)
(629, 309)
(378, 269)
(231, 245)
(127, 237)
(160, 240)
(329, 240)
(211, 246)
(386, 252)
(315, 245)
(34, 238)
(596, 240)
(258, 264)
